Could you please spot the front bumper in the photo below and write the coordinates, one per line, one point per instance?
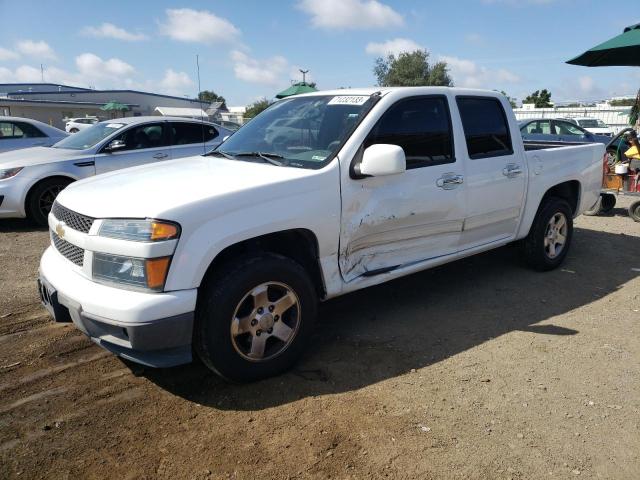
(153, 329)
(13, 190)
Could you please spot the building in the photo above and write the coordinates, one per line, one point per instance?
(53, 103)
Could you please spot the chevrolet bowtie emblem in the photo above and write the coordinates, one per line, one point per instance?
(60, 229)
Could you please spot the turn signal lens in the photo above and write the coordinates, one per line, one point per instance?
(157, 269)
(163, 231)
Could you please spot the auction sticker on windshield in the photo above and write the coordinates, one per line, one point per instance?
(348, 100)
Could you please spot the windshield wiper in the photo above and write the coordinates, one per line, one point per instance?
(266, 156)
(221, 153)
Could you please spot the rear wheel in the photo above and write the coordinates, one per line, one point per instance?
(41, 198)
(634, 211)
(73, 130)
(549, 239)
(254, 317)
(608, 202)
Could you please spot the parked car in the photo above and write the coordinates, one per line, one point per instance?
(31, 178)
(17, 133)
(558, 130)
(228, 253)
(74, 125)
(593, 125)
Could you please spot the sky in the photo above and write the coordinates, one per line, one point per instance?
(253, 49)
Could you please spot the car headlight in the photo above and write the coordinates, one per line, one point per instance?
(139, 230)
(137, 273)
(9, 172)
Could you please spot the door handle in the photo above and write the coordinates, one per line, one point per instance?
(511, 170)
(160, 155)
(449, 181)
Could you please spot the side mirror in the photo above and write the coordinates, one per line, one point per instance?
(383, 159)
(115, 145)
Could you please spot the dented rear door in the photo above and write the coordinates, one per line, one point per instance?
(396, 220)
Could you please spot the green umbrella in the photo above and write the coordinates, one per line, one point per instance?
(114, 106)
(296, 89)
(623, 50)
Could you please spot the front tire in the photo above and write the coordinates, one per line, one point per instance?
(634, 211)
(549, 239)
(41, 198)
(254, 317)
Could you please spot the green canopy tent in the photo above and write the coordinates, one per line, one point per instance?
(115, 107)
(296, 89)
(622, 50)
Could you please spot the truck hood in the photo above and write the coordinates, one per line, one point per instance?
(169, 190)
(27, 157)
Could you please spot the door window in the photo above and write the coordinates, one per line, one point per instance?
(421, 126)
(566, 128)
(29, 131)
(538, 127)
(485, 127)
(150, 135)
(185, 133)
(10, 130)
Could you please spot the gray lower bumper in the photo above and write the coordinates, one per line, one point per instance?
(164, 342)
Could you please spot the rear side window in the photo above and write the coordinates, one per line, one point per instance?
(10, 130)
(185, 133)
(485, 127)
(421, 126)
(29, 130)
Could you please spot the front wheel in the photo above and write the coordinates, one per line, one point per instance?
(41, 198)
(254, 317)
(549, 239)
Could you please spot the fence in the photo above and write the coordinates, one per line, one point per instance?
(616, 117)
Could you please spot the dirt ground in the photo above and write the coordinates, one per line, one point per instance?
(480, 369)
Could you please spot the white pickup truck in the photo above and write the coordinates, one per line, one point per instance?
(322, 194)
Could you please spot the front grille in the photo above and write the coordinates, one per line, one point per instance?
(74, 220)
(70, 252)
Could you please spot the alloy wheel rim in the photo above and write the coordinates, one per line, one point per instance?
(265, 321)
(48, 197)
(555, 237)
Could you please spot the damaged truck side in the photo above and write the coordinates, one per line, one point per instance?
(227, 254)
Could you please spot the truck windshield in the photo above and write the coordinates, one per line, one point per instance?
(300, 132)
(89, 137)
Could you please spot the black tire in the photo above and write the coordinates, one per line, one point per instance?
(596, 209)
(41, 198)
(220, 297)
(634, 211)
(74, 130)
(534, 249)
(608, 202)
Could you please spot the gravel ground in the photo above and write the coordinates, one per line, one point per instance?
(480, 369)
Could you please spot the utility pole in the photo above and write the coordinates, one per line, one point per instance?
(42, 72)
(304, 75)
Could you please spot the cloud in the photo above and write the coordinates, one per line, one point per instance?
(394, 47)
(109, 30)
(40, 50)
(200, 26)
(266, 72)
(175, 83)
(92, 66)
(7, 55)
(350, 14)
(466, 73)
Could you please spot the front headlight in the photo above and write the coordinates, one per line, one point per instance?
(9, 172)
(139, 230)
(138, 273)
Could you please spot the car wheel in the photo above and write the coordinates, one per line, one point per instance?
(549, 239)
(608, 202)
(74, 130)
(254, 317)
(596, 209)
(41, 197)
(634, 211)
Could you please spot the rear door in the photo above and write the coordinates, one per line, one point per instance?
(495, 174)
(396, 220)
(145, 143)
(192, 138)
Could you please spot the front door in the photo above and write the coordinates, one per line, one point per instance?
(146, 143)
(396, 220)
(495, 174)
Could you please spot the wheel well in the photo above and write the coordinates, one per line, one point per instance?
(300, 245)
(30, 192)
(569, 191)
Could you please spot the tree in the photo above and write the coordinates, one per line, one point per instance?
(209, 96)
(411, 69)
(623, 102)
(540, 99)
(512, 101)
(256, 107)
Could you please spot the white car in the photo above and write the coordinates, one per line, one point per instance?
(227, 254)
(18, 132)
(30, 179)
(74, 125)
(593, 125)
